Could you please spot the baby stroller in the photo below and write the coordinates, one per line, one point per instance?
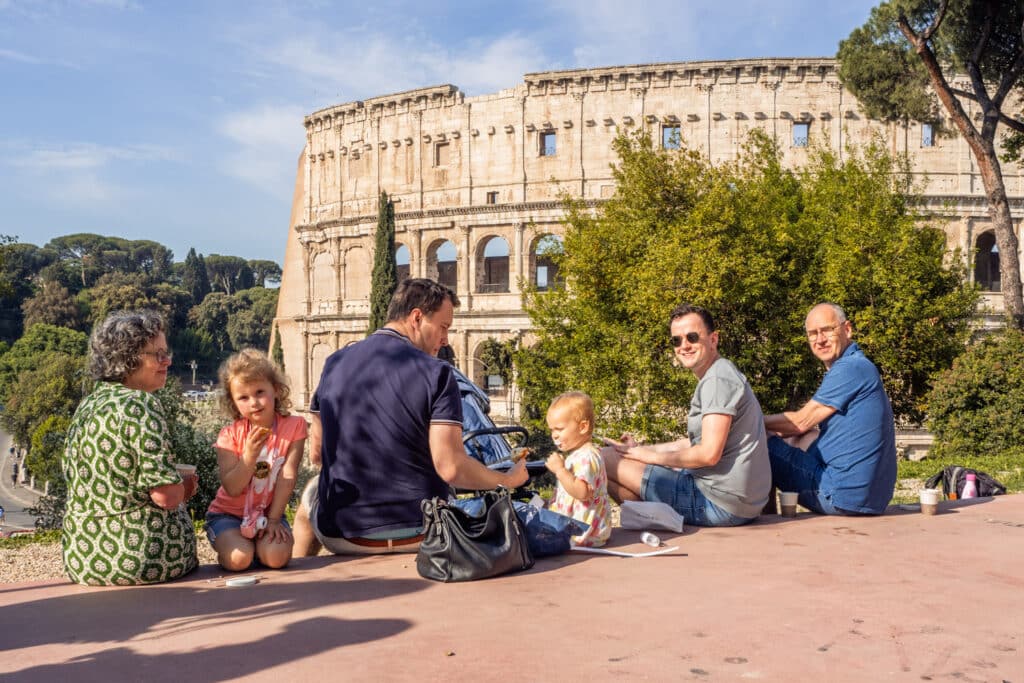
(484, 440)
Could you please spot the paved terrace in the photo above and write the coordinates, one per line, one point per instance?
(902, 597)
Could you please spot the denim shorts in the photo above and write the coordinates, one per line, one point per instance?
(679, 489)
(219, 522)
(801, 471)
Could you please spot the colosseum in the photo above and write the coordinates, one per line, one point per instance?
(476, 183)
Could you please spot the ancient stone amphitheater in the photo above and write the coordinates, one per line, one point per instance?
(476, 181)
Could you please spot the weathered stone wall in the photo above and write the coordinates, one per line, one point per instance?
(474, 171)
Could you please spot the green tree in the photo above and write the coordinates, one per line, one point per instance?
(51, 390)
(276, 351)
(977, 406)
(757, 245)
(53, 305)
(264, 272)
(84, 254)
(909, 46)
(30, 352)
(194, 278)
(385, 271)
(251, 317)
(210, 319)
(226, 273)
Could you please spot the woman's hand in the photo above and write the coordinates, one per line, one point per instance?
(275, 532)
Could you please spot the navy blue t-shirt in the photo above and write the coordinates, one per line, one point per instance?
(858, 441)
(376, 401)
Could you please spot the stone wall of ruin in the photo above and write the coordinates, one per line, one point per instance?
(471, 170)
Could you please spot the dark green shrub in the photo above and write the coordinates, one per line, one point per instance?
(976, 408)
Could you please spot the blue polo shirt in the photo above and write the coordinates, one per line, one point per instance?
(858, 442)
(377, 399)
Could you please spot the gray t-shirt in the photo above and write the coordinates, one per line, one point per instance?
(741, 480)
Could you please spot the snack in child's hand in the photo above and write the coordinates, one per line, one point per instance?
(520, 454)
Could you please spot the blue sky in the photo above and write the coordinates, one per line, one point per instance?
(181, 121)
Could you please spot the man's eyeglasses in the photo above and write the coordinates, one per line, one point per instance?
(825, 332)
(692, 337)
(161, 356)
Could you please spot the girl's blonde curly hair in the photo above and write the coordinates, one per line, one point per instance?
(252, 365)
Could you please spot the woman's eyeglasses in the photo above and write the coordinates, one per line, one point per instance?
(161, 356)
(692, 337)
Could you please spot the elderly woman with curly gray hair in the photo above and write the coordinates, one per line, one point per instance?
(124, 523)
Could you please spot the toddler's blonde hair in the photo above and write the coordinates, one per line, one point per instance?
(579, 403)
(251, 365)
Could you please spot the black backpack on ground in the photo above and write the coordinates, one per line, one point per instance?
(953, 478)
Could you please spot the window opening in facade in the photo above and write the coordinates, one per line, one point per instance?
(445, 266)
(800, 134)
(927, 135)
(671, 137)
(986, 262)
(495, 267)
(492, 197)
(547, 144)
(442, 152)
(544, 271)
(402, 262)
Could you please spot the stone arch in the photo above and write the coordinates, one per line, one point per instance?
(402, 259)
(357, 274)
(443, 263)
(324, 282)
(491, 383)
(317, 357)
(986, 262)
(492, 265)
(543, 272)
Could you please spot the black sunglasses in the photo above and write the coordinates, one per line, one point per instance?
(692, 337)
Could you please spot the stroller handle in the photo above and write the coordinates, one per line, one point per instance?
(512, 429)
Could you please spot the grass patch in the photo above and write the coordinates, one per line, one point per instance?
(22, 540)
(1007, 469)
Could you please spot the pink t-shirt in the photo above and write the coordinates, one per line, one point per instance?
(286, 431)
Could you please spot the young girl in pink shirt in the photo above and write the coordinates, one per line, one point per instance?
(258, 456)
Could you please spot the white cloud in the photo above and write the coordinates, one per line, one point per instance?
(23, 58)
(84, 155)
(267, 141)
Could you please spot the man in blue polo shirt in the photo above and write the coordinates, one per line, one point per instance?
(387, 430)
(841, 458)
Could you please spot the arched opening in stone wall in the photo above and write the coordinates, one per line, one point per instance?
(323, 285)
(402, 262)
(442, 264)
(486, 367)
(357, 274)
(492, 265)
(986, 262)
(317, 357)
(543, 271)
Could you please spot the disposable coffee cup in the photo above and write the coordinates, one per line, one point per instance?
(929, 501)
(787, 501)
(185, 471)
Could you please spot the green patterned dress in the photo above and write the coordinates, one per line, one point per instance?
(118, 448)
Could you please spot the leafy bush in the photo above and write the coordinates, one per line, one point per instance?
(976, 408)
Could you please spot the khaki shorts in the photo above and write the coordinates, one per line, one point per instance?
(354, 546)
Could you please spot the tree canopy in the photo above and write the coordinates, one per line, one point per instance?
(757, 245)
(384, 280)
(913, 56)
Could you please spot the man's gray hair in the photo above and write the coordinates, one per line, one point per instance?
(836, 308)
(116, 343)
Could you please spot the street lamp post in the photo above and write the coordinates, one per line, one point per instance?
(193, 364)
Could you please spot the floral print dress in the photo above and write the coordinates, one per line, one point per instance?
(117, 449)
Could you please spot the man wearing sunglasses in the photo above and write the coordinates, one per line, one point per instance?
(719, 475)
(839, 450)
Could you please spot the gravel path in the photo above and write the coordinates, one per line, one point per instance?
(42, 561)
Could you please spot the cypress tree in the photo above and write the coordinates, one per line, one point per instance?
(385, 272)
(276, 352)
(194, 278)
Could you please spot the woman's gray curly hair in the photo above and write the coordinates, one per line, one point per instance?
(116, 343)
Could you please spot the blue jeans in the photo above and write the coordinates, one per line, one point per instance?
(679, 489)
(801, 471)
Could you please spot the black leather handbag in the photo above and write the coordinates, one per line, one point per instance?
(458, 546)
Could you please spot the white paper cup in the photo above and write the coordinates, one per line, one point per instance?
(185, 471)
(930, 501)
(787, 501)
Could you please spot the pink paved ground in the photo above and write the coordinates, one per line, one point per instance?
(901, 597)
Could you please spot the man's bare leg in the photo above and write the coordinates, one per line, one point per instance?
(625, 476)
(306, 543)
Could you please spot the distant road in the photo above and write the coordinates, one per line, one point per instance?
(14, 499)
